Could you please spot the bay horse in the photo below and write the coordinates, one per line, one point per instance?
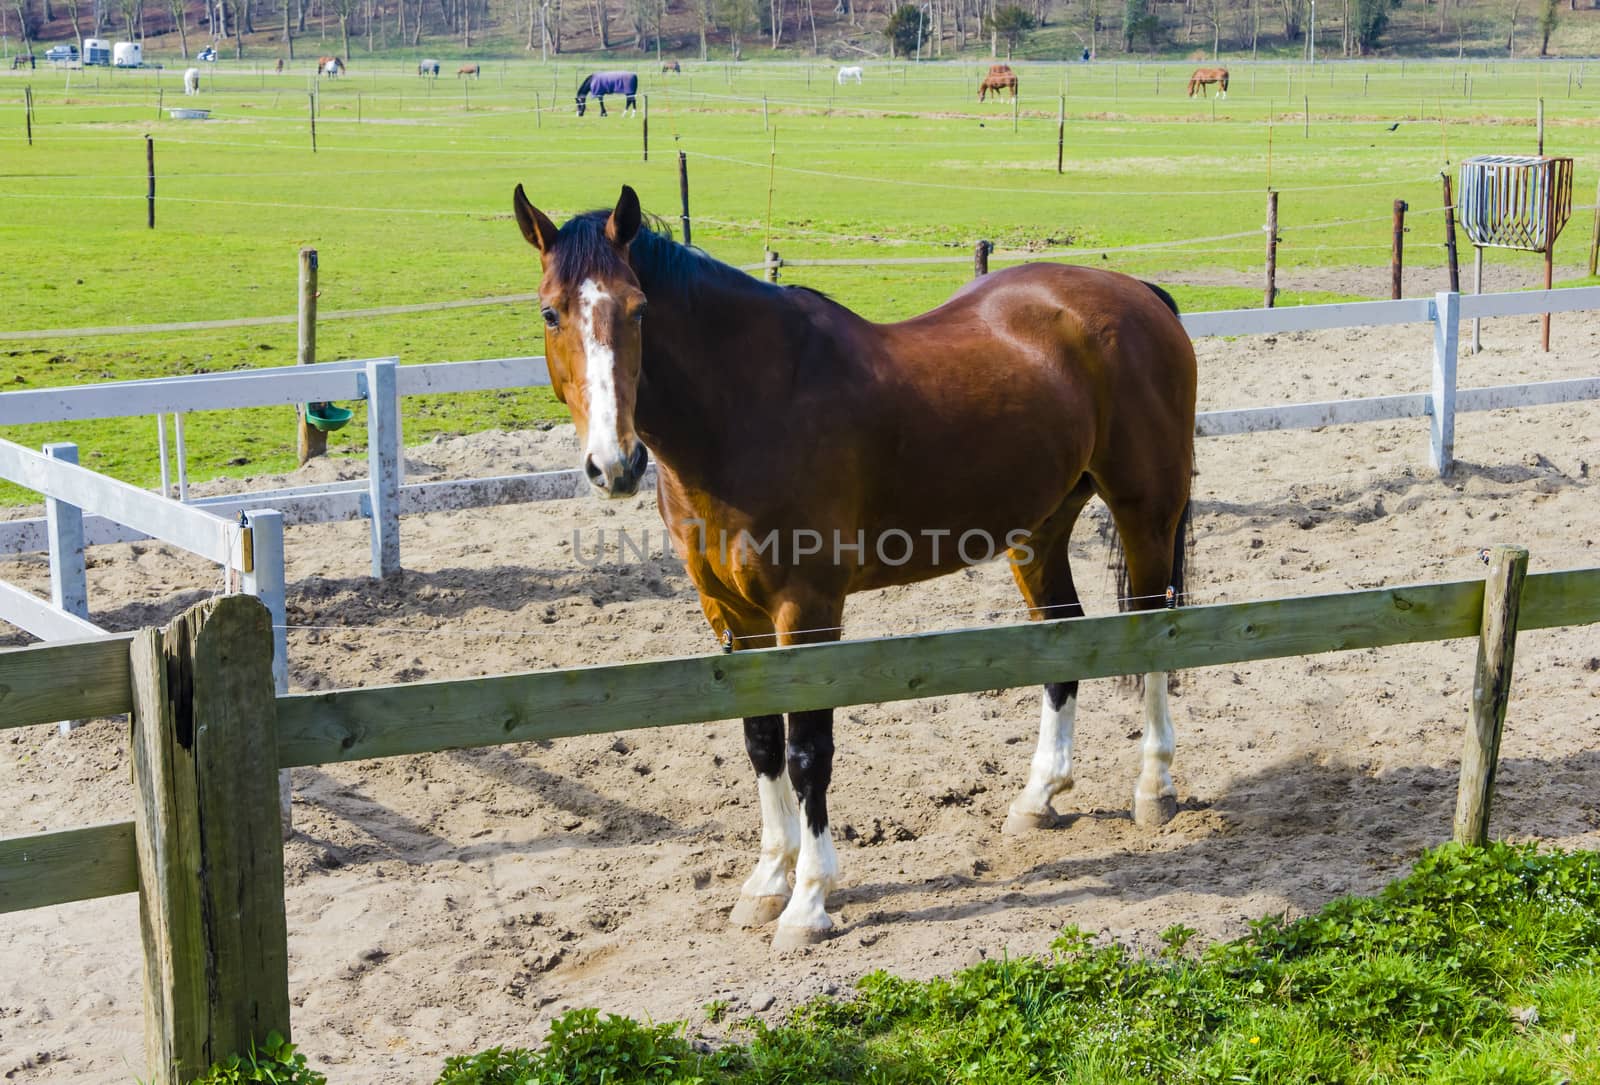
(1204, 77)
(671, 66)
(866, 455)
(468, 69)
(601, 84)
(1000, 77)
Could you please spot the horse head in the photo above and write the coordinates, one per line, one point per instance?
(593, 313)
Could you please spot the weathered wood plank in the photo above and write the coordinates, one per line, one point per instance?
(1491, 692)
(1569, 597)
(42, 869)
(387, 720)
(210, 851)
(67, 680)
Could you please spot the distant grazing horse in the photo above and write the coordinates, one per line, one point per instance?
(671, 66)
(279, 68)
(1203, 77)
(601, 84)
(851, 72)
(428, 67)
(806, 453)
(332, 67)
(191, 81)
(1000, 77)
(467, 69)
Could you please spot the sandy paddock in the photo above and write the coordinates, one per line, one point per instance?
(441, 904)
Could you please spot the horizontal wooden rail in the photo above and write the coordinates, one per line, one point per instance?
(42, 869)
(65, 680)
(383, 721)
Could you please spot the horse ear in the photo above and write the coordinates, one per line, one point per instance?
(539, 230)
(623, 224)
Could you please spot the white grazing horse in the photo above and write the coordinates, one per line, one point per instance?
(853, 72)
(191, 81)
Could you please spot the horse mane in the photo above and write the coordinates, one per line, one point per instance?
(583, 87)
(582, 251)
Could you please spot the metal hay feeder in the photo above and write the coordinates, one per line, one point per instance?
(1512, 201)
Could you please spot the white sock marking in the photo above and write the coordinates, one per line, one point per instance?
(1155, 775)
(780, 838)
(1051, 771)
(816, 873)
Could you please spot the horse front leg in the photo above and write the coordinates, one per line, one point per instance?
(810, 755)
(766, 891)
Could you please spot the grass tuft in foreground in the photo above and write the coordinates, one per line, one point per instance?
(1479, 966)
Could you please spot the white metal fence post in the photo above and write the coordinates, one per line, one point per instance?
(383, 465)
(264, 579)
(1442, 403)
(69, 582)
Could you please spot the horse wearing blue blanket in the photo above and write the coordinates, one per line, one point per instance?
(601, 84)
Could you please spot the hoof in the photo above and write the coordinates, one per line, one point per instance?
(1152, 813)
(1021, 822)
(800, 937)
(757, 911)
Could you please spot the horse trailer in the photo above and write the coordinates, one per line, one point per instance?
(127, 54)
(96, 51)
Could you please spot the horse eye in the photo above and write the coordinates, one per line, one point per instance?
(550, 320)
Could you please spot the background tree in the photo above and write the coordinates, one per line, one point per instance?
(1012, 25)
(901, 30)
(1372, 19)
(1549, 15)
(1139, 20)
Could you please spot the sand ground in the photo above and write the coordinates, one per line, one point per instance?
(442, 904)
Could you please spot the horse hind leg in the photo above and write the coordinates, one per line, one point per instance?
(1045, 581)
(1154, 550)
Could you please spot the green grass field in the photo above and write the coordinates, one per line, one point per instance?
(407, 199)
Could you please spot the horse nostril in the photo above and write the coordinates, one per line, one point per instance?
(592, 469)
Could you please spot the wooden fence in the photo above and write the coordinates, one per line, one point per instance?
(206, 827)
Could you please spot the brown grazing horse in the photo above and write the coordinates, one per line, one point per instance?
(1204, 77)
(1000, 77)
(467, 69)
(806, 453)
(670, 66)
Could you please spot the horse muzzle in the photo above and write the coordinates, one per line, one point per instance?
(620, 479)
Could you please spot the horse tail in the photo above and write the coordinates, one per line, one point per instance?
(1224, 81)
(1166, 298)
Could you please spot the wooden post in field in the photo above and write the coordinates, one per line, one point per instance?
(645, 128)
(1016, 105)
(1549, 253)
(1307, 99)
(150, 181)
(1397, 252)
(683, 195)
(1271, 296)
(204, 749)
(1594, 234)
(1450, 234)
(27, 96)
(161, 96)
(538, 111)
(1491, 689)
(773, 262)
(313, 103)
(1061, 133)
(1541, 127)
(980, 258)
(312, 441)
(764, 113)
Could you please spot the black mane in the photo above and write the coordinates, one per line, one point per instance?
(660, 263)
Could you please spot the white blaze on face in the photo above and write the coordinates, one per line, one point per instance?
(600, 385)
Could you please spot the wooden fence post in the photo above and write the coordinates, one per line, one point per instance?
(312, 441)
(1270, 297)
(1594, 234)
(205, 758)
(384, 465)
(150, 179)
(1491, 689)
(644, 128)
(1397, 253)
(1061, 129)
(980, 258)
(1442, 404)
(772, 262)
